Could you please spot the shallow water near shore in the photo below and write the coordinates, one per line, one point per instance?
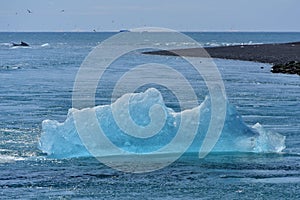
(36, 84)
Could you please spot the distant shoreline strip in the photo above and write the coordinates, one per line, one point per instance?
(285, 57)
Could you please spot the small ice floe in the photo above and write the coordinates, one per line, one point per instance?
(10, 67)
(45, 45)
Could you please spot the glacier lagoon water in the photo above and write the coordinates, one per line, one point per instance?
(36, 84)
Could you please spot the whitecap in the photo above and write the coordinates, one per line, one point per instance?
(9, 159)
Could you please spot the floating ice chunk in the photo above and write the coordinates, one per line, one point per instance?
(61, 140)
(45, 45)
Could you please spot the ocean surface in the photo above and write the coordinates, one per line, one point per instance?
(36, 84)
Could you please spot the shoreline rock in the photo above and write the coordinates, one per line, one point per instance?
(292, 67)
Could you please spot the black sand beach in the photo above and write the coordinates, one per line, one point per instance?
(285, 57)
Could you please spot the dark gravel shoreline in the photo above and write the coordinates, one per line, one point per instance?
(285, 57)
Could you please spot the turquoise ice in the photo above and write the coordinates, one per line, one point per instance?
(61, 140)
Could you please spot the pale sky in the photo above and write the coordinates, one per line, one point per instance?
(188, 15)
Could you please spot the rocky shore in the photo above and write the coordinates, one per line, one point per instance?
(284, 57)
(292, 67)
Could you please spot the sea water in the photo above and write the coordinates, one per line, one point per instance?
(36, 88)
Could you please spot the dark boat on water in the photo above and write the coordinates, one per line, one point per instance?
(22, 44)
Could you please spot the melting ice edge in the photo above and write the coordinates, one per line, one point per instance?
(61, 140)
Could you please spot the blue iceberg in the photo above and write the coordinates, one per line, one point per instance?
(62, 140)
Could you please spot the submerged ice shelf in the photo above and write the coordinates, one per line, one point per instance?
(61, 140)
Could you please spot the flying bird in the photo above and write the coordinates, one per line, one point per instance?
(29, 11)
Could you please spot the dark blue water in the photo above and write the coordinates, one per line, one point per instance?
(36, 84)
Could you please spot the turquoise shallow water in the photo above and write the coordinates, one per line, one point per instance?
(36, 84)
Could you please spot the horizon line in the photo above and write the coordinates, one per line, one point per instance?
(113, 31)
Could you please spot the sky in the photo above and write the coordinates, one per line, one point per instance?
(111, 15)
